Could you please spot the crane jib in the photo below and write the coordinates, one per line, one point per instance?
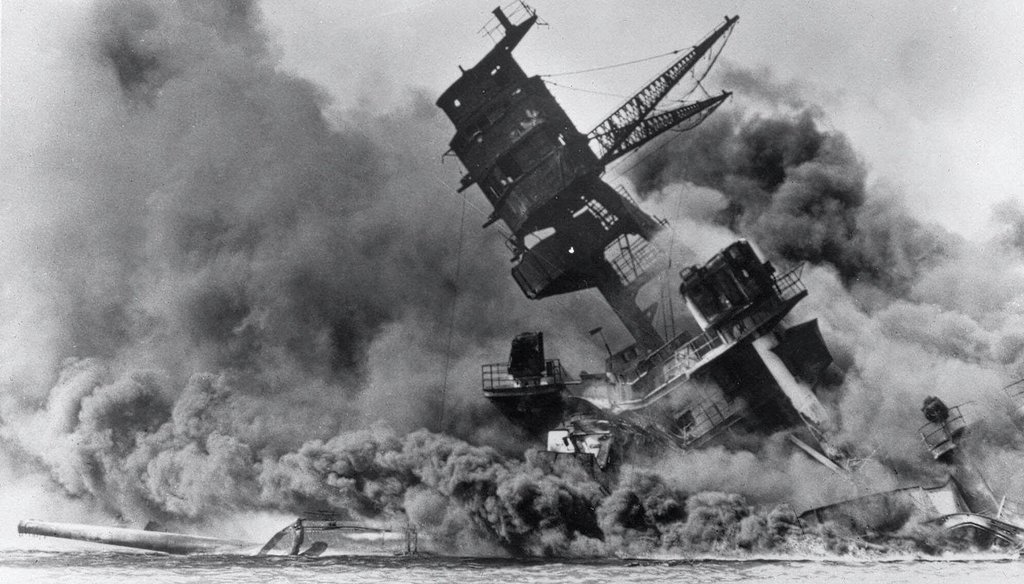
(652, 127)
(620, 125)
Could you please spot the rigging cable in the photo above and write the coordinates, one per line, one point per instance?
(451, 318)
(665, 288)
(454, 191)
(604, 67)
(698, 77)
(602, 93)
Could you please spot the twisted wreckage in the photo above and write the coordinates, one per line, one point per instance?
(746, 369)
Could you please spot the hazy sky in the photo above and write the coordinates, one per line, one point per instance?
(931, 93)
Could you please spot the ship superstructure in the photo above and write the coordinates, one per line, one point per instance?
(740, 365)
(744, 366)
(569, 230)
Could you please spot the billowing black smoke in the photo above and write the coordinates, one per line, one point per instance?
(800, 193)
(206, 269)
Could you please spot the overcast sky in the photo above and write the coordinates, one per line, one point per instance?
(931, 93)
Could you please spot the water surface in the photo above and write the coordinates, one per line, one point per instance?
(126, 567)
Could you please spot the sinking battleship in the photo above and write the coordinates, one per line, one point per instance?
(741, 367)
(569, 231)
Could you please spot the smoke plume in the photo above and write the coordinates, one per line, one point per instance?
(207, 265)
(908, 309)
(801, 194)
(223, 293)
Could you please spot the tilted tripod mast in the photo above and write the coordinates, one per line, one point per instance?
(570, 230)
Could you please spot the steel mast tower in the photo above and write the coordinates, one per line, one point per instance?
(570, 230)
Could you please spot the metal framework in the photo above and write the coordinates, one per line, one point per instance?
(650, 128)
(621, 124)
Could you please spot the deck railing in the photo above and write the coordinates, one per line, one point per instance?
(789, 284)
(707, 417)
(699, 350)
(690, 356)
(495, 377)
(940, 437)
(517, 12)
(633, 258)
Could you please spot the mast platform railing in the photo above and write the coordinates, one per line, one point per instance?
(516, 12)
(496, 378)
(940, 438)
(693, 354)
(633, 259)
(789, 284)
(707, 418)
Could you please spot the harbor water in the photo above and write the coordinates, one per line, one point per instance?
(114, 567)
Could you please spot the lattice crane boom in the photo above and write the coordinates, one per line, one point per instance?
(652, 127)
(619, 126)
